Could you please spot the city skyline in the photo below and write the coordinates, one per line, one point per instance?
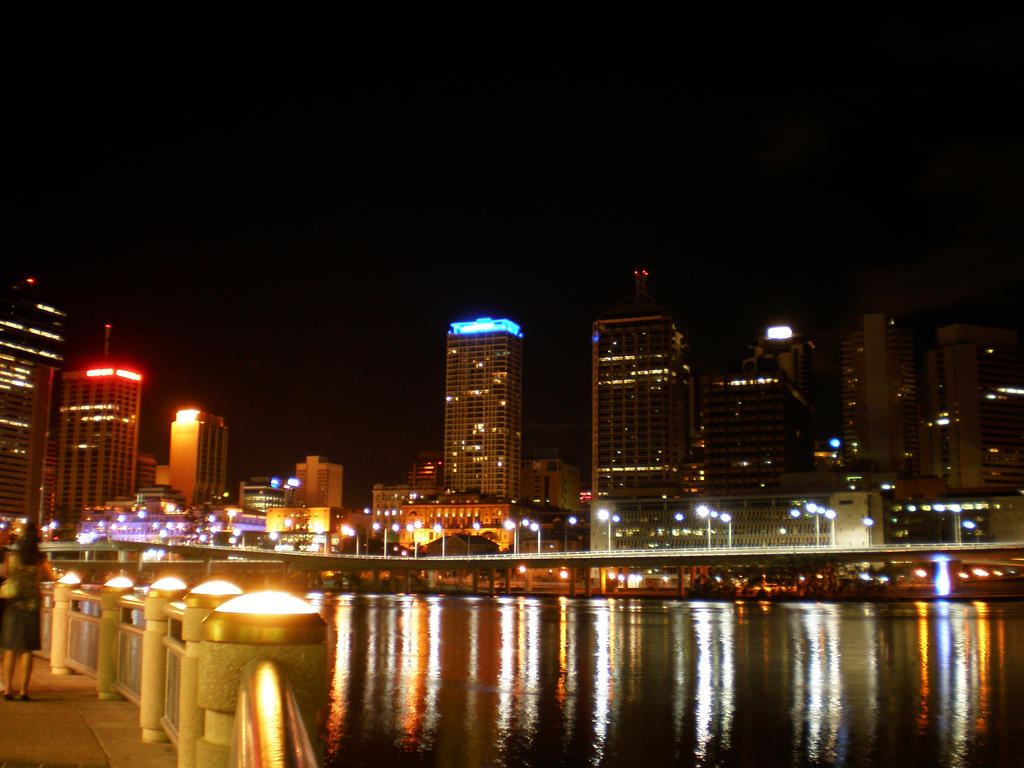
(282, 234)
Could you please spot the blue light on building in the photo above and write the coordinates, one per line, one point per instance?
(487, 325)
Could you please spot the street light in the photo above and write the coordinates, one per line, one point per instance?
(411, 530)
(469, 537)
(705, 512)
(535, 527)
(571, 521)
(510, 525)
(440, 531)
(868, 522)
(348, 530)
(377, 527)
(725, 517)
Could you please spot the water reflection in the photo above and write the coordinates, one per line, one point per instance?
(526, 682)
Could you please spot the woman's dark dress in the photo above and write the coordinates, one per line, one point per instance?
(20, 628)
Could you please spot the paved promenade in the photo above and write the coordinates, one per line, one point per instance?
(65, 725)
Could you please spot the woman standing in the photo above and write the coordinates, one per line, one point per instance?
(19, 633)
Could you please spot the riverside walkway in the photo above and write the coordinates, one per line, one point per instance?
(65, 724)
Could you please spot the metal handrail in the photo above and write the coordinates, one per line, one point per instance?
(269, 731)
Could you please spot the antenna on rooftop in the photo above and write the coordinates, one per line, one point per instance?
(640, 276)
(106, 341)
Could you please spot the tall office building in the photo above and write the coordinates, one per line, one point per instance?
(640, 408)
(792, 355)
(31, 340)
(97, 445)
(483, 407)
(199, 456)
(320, 482)
(879, 391)
(973, 393)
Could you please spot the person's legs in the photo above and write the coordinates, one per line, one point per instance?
(8, 671)
(26, 673)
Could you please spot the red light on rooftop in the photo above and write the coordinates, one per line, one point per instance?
(30, 280)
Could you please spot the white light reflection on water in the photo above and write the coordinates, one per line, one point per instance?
(604, 634)
(431, 715)
(680, 698)
(817, 684)
(567, 670)
(506, 669)
(529, 665)
(705, 689)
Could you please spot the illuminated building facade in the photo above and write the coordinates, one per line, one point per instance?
(259, 494)
(752, 520)
(640, 408)
(483, 408)
(881, 423)
(199, 456)
(973, 393)
(551, 482)
(320, 482)
(97, 446)
(757, 426)
(31, 343)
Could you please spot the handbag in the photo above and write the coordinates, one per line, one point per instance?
(9, 589)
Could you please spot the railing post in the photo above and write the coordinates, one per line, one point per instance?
(106, 657)
(270, 625)
(198, 605)
(153, 679)
(59, 624)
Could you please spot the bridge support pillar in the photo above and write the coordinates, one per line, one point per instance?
(508, 581)
(232, 644)
(528, 586)
(407, 582)
(106, 671)
(490, 582)
(59, 629)
(432, 579)
(153, 675)
(681, 581)
(476, 580)
(588, 582)
(573, 575)
(198, 605)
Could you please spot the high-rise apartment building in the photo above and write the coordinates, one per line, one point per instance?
(640, 408)
(97, 446)
(320, 482)
(973, 397)
(31, 341)
(551, 482)
(483, 407)
(879, 392)
(199, 456)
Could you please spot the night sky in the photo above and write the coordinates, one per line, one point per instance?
(281, 214)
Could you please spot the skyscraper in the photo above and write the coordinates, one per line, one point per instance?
(973, 433)
(483, 407)
(98, 438)
(199, 456)
(640, 408)
(879, 391)
(320, 482)
(31, 340)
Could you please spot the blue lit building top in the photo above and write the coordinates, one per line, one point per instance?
(486, 325)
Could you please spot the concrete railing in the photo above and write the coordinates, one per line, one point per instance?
(186, 673)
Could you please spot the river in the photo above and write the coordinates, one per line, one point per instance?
(518, 681)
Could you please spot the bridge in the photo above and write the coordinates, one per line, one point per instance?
(574, 567)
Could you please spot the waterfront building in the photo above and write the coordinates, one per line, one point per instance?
(822, 518)
(483, 408)
(259, 494)
(426, 471)
(145, 470)
(879, 397)
(551, 482)
(956, 518)
(31, 344)
(97, 446)
(757, 426)
(199, 456)
(320, 482)
(640, 398)
(973, 396)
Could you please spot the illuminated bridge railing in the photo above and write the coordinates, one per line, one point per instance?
(175, 649)
(83, 632)
(131, 626)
